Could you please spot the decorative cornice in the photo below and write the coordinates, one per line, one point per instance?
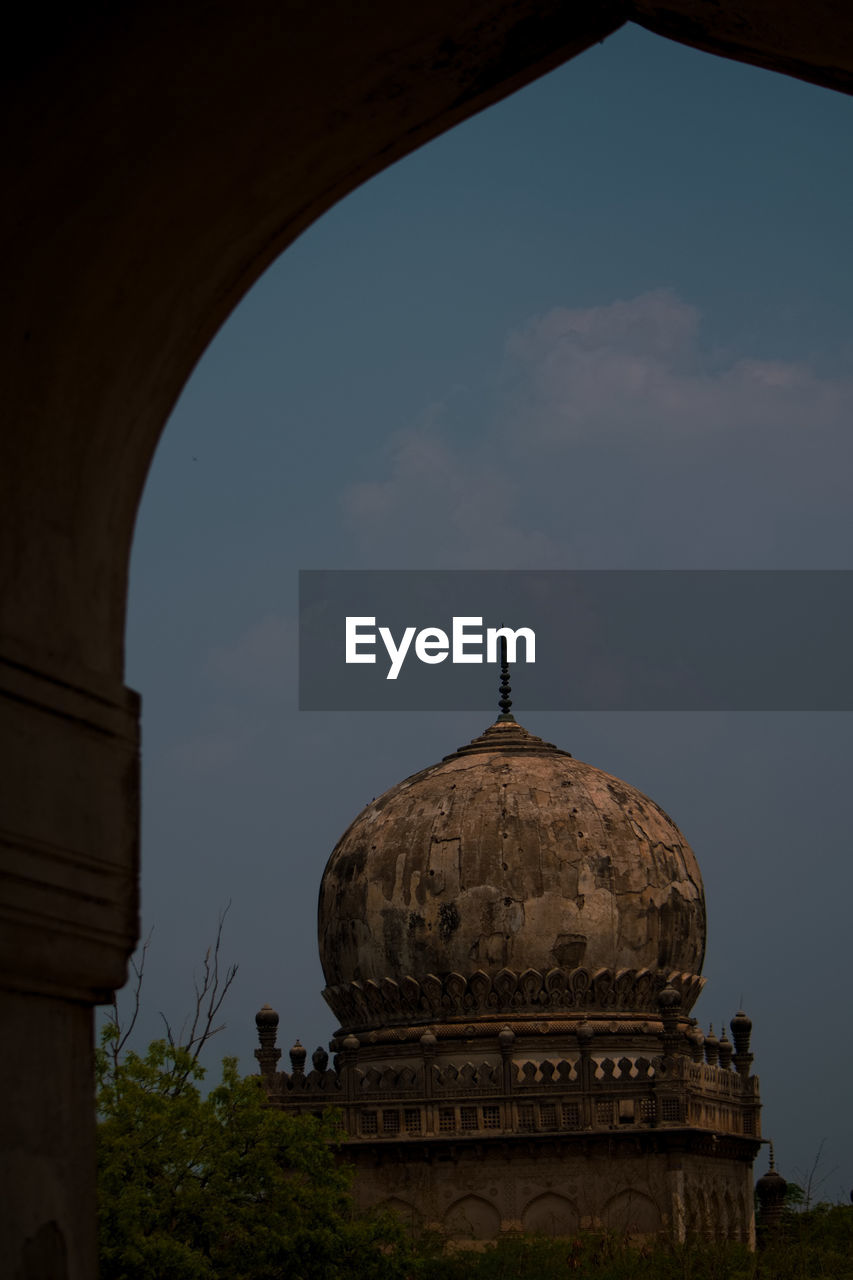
(362, 1006)
(522, 1025)
(507, 737)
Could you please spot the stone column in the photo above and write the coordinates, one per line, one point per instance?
(68, 846)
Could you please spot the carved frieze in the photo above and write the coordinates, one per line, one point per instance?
(452, 996)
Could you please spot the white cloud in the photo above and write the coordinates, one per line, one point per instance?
(623, 439)
(638, 368)
(440, 507)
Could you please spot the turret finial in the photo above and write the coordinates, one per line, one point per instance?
(505, 701)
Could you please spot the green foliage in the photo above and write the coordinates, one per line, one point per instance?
(593, 1257)
(223, 1187)
(816, 1245)
(813, 1245)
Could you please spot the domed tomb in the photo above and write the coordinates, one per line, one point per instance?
(509, 876)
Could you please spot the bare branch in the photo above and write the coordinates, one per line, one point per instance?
(122, 1036)
(213, 990)
(810, 1181)
(168, 1027)
(210, 990)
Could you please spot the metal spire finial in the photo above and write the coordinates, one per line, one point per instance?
(505, 701)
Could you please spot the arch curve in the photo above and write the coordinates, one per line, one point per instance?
(404, 1209)
(632, 1212)
(472, 1218)
(551, 1214)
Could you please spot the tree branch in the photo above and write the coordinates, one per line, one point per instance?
(121, 1037)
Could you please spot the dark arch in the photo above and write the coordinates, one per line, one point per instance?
(472, 1218)
(158, 158)
(632, 1213)
(408, 1213)
(551, 1214)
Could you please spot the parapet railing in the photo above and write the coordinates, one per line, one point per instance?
(582, 1093)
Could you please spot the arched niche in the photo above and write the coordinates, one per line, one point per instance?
(632, 1213)
(551, 1215)
(407, 1212)
(472, 1218)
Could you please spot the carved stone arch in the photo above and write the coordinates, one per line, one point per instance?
(410, 1214)
(388, 1079)
(472, 1218)
(454, 986)
(486, 1074)
(504, 984)
(467, 1075)
(551, 1214)
(632, 1213)
(372, 1080)
(480, 985)
(530, 984)
(555, 986)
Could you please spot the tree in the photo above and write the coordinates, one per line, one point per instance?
(193, 1187)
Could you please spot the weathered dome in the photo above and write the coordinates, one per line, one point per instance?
(508, 875)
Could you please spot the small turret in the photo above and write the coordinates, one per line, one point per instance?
(726, 1051)
(266, 1021)
(297, 1059)
(669, 1004)
(770, 1189)
(741, 1031)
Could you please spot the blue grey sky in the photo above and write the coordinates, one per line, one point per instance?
(605, 324)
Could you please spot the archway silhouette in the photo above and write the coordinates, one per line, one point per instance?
(161, 158)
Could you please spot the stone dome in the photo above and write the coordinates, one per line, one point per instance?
(509, 875)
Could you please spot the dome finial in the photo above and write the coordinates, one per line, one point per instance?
(505, 701)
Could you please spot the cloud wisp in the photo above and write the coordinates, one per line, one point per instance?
(639, 368)
(622, 439)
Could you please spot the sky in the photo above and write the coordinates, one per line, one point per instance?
(604, 324)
